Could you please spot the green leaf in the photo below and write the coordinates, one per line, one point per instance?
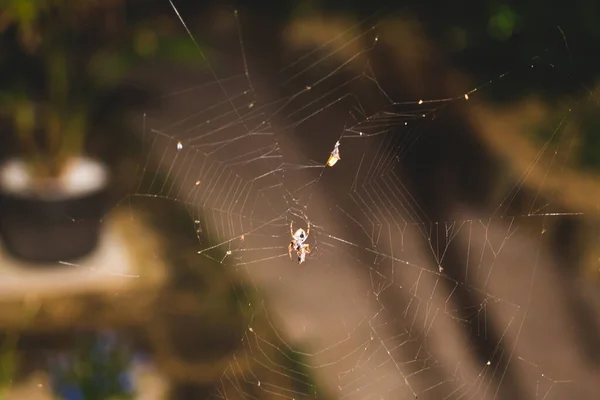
(24, 116)
(502, 24)
(26, 11)
(107, 68)
(179, 49)
(145, 43)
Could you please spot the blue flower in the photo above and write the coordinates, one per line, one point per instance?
(98, 369)
(69, 391)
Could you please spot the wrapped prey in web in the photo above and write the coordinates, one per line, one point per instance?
(335, 155)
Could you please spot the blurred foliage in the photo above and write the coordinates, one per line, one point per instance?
(98, 367)
(547, 48)
(498, 36)
(61, 59)
(8, 362)
(487, 38)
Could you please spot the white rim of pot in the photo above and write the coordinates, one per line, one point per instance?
(82, 176)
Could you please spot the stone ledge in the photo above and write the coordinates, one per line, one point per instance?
(125, 262)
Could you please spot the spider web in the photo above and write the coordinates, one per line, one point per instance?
(373, 313)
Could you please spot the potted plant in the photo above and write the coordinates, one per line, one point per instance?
(59, 62)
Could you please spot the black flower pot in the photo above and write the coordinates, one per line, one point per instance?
(60, 222)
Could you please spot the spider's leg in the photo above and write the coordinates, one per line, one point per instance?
(307, 231)
(307, 248)
(290, 247)
(292, 229)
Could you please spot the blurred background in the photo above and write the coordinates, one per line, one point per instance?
(155, 156)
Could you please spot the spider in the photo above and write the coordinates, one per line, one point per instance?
(297, 243)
